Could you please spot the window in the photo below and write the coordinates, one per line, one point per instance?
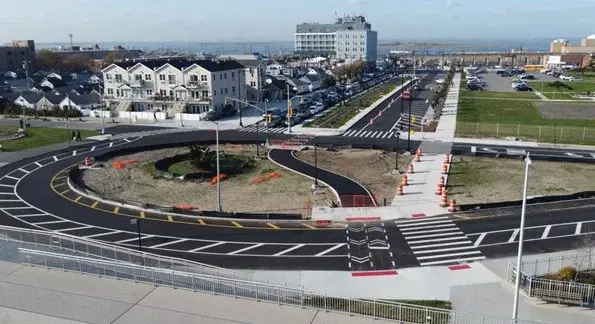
(148, 77)
(220, 76)
(161, 77)
(163, 93)
(362, 49)
(194, 78)
(149, 92)
(110, 91)
(138, 77)
(118, 77)
(171, 79)
(214, 92)
(150, 106)
(233, 75)
(108, 76)
(225, 75)
(117, 92)
(225, 90)
(205, 93)
(233, 89)
(203, 77)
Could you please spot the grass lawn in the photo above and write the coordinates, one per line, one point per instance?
(562, 96)
(486, 180)
(583, 86)
(230, 164)
(494, 94)
(338, 115)
(38, 136)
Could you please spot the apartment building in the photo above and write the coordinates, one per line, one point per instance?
(350, 38)
(173, 86)
(14, 54)
(255, 71)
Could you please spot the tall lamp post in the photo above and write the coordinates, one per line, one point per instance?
(290, 108)
(101, 104)
(218, 207)
(397, 135)
(315, 166)
(517, 282)
(409, 128)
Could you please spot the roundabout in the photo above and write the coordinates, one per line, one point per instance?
(39, 193)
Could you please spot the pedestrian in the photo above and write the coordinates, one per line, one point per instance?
(78, 135)
(21, 122)
(73, 136)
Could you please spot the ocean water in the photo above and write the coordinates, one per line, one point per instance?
(276, 47)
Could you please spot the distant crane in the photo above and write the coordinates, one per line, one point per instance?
(70, 35)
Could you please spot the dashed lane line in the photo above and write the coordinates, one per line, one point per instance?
(273, 226)
(236, 224)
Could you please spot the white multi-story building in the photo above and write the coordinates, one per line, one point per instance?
(255, 73)
(350, 38)
(174, 86)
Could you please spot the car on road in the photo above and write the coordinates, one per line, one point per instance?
(416, 87)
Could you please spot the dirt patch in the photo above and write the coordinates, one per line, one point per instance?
(484, 180)
(289, 193)
(371, 168)
(566, 110)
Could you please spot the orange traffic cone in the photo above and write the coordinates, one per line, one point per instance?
(439, 189)
(419, 152)
(400, 190)
(447, 158)
(410, 169)
(444, 198)
(417, 158)
(442, 180)
(453, 206)
(444, 168)
(405, 180)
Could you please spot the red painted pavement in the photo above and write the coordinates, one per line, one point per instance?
(374, 273)
(362, 219)
(418, 215)
(459, 267)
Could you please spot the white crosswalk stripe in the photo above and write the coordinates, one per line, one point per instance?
(438, 241)
(387, 135)
(262, 129)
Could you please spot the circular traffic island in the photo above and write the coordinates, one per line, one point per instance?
(188, 176)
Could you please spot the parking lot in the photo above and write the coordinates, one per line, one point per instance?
(497, 83)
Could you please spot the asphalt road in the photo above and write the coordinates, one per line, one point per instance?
(33, 197)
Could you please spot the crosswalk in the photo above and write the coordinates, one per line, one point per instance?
(262, 129)
(438, 241)
(404, 121)
(369, 134)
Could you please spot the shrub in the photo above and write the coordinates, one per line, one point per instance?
(567, 273)
(551, 276)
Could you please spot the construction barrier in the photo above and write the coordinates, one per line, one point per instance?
(273, 175)
(222, 176)
(88, 161)
(439, 187)
(358, 201)
(444, 198)
(453, 206)
(122, 164)
(185, 207)
(410, 169)
(405, 180)
(400, 190)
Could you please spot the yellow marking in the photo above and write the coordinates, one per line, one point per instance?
(78, 198)
(116, 209)
(273, 226)
(59, 184)
(65, 191)
(236, 224)
(60, 178)
(170, 218)
(142, 214)
(309, 226)
(95, 204)
(201, 222)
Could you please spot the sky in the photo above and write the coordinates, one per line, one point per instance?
(49, 21)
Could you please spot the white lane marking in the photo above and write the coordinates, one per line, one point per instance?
(391, 135)
(38, 164)
(134, 239)
(479, 239)
(579, 227)
(367, 134)
(413, 247)
(74, 228)
(8, 194)
(513, 236)
(470, 247)
(456, 238)
(396, 124)
(167, 243)
(23, 170)
(436, 235)
(450, 229)
(425, 223)
(330, 250)
(52, 222)
(245, 249)
(429, 257)
(451, 261)
(429, 219)
(11, 208)
(357, 134)
(443, 226)
(546, 231)
(378, 248)
(31, 215)
(127, 140)
(11, 177)
(102, 234)
(74, 153)
(348, 132)
(92, 149)
(111, 144)
(9, 200)
(289, 250)
(55, 158)
(379, 134)
(5, 185)
(207, 246)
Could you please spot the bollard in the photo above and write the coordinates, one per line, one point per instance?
(410, 169)
(444, 198)
(447, 158)
(444, 168)
(400, 190)
(405, 180)
(442, 180)
(417, 158)
(439, 189)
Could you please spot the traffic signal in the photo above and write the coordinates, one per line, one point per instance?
(225, 101)
(269, 118)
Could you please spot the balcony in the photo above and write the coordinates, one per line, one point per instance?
(137, 83)
(201, 100)
(197, 84)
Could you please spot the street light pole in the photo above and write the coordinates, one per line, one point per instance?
(409, 128)
(266, 121)
(101, 104)
(315, 166)
(288, 106)
(397, 152)
(517, 283)
(219, 209)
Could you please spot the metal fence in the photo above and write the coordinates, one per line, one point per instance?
(281, 295)
(544, 133)
(97, 249)
(543, 266)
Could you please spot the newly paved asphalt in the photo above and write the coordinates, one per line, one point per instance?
(34, 195)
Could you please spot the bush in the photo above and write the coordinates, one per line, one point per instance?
(567, 273)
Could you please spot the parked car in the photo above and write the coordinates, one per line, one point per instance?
(474, 86)
(523, 87)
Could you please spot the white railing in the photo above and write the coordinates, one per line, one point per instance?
(105, 251)
(543, 266)
(281, 295)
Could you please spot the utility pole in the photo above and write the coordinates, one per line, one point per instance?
(26, 67)
(288, 108)
(70, 35)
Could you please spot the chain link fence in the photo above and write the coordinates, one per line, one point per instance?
(281, 295)
(542, 133)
